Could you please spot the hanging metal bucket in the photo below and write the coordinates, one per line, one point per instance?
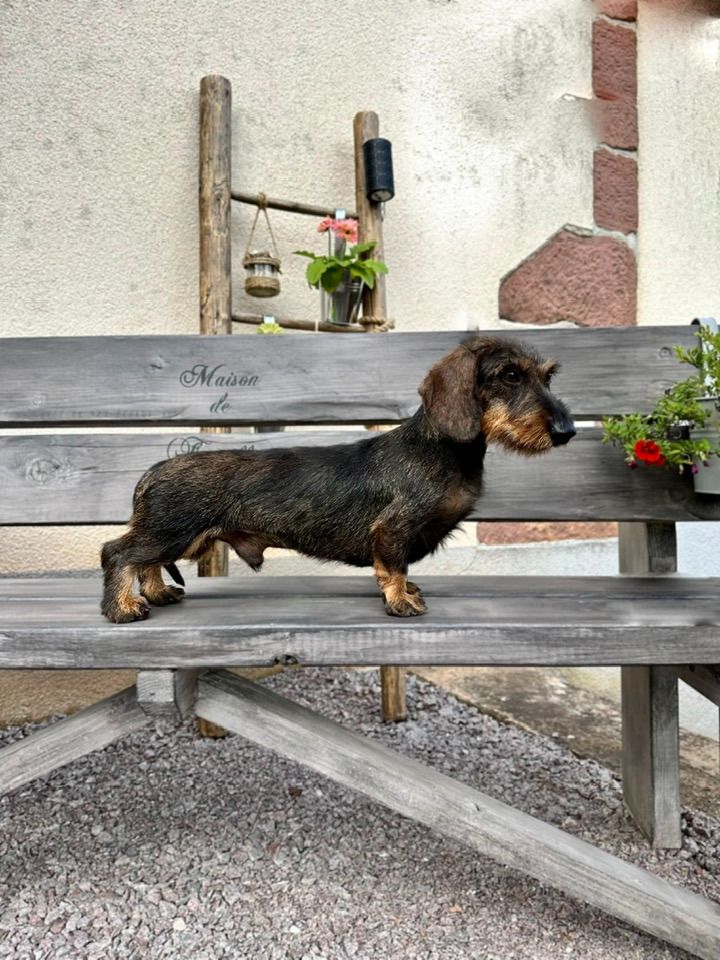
(707, 477)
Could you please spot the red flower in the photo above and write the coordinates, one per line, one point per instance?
(649, 452)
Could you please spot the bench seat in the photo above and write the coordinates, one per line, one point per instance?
(330, 620)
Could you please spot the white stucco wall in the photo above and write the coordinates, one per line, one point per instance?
(99, 119)
(679, 162)
(98, 173)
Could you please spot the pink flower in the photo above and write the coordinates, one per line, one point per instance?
(346, 230)
(343, 229)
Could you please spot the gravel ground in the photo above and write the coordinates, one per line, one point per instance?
(169, 846)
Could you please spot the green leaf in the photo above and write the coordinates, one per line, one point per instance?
(363, 247)
(360, 270)
(332, 277)
(377, 265)
(305, 253)
(315, 271)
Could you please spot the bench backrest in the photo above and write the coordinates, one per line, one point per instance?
(192, 381)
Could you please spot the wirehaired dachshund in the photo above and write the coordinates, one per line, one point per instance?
(385, 501)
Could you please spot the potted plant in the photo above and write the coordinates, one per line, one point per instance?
(343, 271)
(682, 432)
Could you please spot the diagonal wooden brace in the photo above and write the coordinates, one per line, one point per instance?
(54, 746)
(495, 829)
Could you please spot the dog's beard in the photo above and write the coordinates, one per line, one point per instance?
(528, 434)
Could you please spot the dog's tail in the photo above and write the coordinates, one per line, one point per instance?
(175, 574)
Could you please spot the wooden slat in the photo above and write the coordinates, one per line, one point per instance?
(89, 478)
(245, 586)
(650, 721)
(494, 621)
(64, 741)
(459, 811)
(303, 379)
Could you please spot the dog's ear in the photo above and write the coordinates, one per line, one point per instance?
(449, 395)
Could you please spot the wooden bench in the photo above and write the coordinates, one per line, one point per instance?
(656, 627)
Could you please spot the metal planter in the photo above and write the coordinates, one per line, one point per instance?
(707, 478)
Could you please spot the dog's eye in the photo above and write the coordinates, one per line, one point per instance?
(511, 375)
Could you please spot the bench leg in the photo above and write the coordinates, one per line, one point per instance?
(167, 693)
(394, 705)
(213, 564)
(650, 728)
(651, 766)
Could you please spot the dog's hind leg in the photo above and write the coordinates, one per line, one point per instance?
(119, 604)
(130, 556)
(154, 588)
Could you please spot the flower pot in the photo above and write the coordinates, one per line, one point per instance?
(345, 301)
(707, 477)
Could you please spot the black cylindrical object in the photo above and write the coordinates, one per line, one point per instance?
(379, 181)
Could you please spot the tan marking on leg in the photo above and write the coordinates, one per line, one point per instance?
(126, 579)
(401, 598)
(151, 581)
(381, 573)
(128, 606)
(154, 588)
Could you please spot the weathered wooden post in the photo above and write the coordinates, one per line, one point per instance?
(650, 727)
(366, 127)
(215, 266)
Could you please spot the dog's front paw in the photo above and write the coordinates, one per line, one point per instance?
(135, 609)
(165, 595)
(405, 604)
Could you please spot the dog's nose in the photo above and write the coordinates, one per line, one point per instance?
(562, 432)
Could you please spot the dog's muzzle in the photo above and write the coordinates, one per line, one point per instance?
(562, 430)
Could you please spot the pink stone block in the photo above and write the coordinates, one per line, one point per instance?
(588, 280)
(615, 191)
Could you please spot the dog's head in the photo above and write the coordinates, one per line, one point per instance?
(500, 388)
